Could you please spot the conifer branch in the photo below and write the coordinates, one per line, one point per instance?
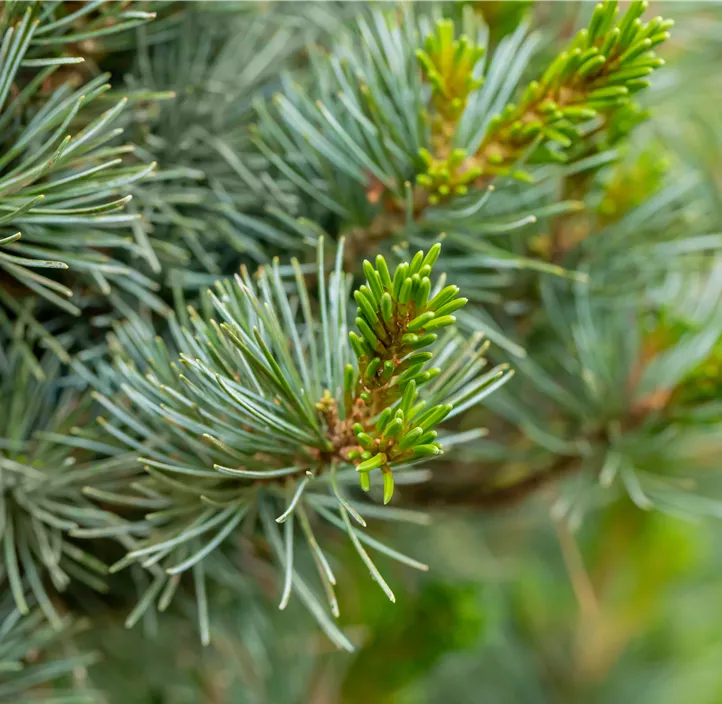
(435, 159)
(265, 407)
(45, 461)
(60, 170)
(29, 661)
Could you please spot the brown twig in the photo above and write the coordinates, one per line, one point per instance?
(505, 496)
(497, 498)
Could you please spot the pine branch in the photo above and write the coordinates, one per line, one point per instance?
(602, 67)
(45, 461)
(52, 183)
(214, 204)
(264, 414)
(608, 405)
(28, 670)
(396, 149)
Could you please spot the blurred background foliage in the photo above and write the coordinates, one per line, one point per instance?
(620, 611)
(521, 604)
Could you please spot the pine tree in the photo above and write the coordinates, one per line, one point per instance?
(313, 270)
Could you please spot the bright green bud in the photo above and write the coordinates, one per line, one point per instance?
(368, 334)
(530, 129)
(521, 175)
(440, 322)
(373, 279)
(426, 451)
(410, 438)
(399, 278)
(416, 263)
(408, 398)
(558, 137)
(424, 341)
(587, 54)
(608, 92)
(631, 73)
(372, 368)
(637, 85)
(426, 157)
(373, 463)
(370, 297)
(652, 62)
(422, 293)
(423, 377)
(366, 307)
(383, 270)
(383, 419)
(428, 437)
(410, 373)
(431, 256)
(591, 65)
(531, 92)
(417, 357)
(494, 123)
(595, 24)
(382, 333)
(387, 307)
(388, 370)
(418, 407)
(434, 415)
(348, 377)
(572, 63)
(578, 113)
(630, 29)
(442, 297)
(555, 68)
(415, 281)
(609, 41)
(451, 306)
(359, 345)
(420, 321)
(394, 428)
(405, 292)
(364, 480)
(388, 486)
(366, 440)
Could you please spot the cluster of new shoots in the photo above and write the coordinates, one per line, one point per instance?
(397, 318)
(593, 78)
(603, 66)
(449, 176)
(448, 64)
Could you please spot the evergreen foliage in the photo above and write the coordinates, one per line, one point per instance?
(61, 171)
(238, 424)
(25, 672)
(432, 198)
(46, 462)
